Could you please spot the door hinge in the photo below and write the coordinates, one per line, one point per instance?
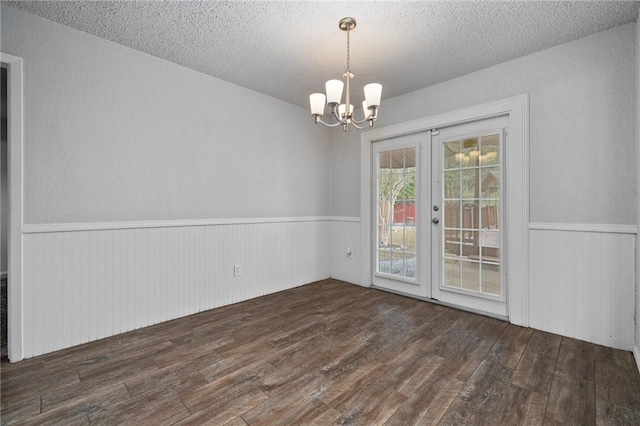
(435, 132)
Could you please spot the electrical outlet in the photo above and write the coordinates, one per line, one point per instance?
(349, 253)
(237, 270)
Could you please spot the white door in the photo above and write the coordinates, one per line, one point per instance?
(399, 236)
(467, 196)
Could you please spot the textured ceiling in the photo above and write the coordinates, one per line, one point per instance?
(288, 49)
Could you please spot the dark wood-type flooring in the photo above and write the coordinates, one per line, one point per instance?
(326, 353)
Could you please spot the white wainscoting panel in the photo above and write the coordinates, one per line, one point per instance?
(81, 286)
(582, 283)
(345, 233)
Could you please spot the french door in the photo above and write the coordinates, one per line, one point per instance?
(466, 197)
(400, 236)
(439, 215)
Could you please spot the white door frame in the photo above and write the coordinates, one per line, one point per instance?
(15, 134)
(516, 209)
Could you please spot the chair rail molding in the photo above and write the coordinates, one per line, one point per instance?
(584, 227)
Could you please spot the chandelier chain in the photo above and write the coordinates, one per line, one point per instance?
(348, 70)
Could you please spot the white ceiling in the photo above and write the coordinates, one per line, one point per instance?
(288, 49)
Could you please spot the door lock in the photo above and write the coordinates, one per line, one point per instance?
(435, 220)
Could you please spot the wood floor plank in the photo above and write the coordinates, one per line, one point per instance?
(304, 330)
(427, 404)
(411, 369)
(20, 389)
(20, 411)
(142, 410)
(618, 357)
(480, 396)
(239, 357)
(289, 401)
(534, 372)
(520, 407)
(571, 400)
(447, 341)
(53, 399)
(354, 401)
(438, 323)
(233, 393)
(200, 356)
(326, 353)
(168, 382)
(617, 395)
(547, 344)
(510, 345)
(238, 421)
(11, 370)
(421, 313)
(117, 369)
(463, 362)
(576, 358)
(80, 409)
(349, 355)
(224, 406)
(300, 359)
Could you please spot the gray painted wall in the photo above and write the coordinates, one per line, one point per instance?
(582, 126)
(112, 134)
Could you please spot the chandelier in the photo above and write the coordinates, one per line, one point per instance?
(344, 116)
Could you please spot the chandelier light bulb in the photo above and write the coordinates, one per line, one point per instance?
(334, 91)
(365, 108)
(317, 101)
(342, 108)
(373, 93)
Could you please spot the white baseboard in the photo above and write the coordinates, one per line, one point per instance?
(636, 355)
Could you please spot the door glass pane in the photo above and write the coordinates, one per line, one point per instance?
(452, 184)
(470, 279)
(491, 279)
(471, 198)
(396, 182)
(452, 273)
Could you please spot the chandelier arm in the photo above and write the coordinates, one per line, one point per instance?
(371, 117)
(319, 120)
(353, 122)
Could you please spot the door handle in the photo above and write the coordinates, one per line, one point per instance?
(435, 220)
